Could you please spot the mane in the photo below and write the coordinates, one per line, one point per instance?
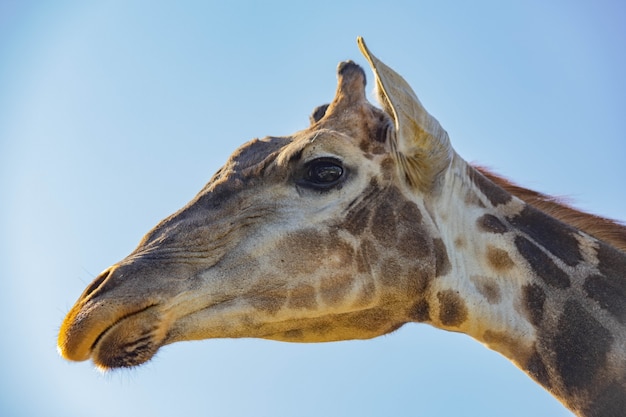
(610, 231)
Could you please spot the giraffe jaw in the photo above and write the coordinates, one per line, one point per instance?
(112, 337)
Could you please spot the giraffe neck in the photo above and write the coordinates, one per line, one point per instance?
(544, 294)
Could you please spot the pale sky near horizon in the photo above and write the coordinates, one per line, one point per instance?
(114, 114)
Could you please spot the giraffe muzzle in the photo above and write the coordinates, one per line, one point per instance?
(112, 333)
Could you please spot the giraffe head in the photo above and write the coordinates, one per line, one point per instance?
(320, 236)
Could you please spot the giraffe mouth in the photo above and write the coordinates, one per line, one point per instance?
(129, 341)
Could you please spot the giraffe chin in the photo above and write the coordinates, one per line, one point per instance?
(131, 341)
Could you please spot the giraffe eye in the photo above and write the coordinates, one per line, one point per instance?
(323, 173)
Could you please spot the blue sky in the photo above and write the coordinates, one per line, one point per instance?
(113, 115)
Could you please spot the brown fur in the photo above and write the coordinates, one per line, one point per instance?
(607, 230)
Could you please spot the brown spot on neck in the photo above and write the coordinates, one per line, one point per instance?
(581, 347)
(556, 237)
(536, 368)
(487, 287)
(420, 312)
(491, 224)
(494, 193)
(442, 262)
(533, 298)
(542, 264)
(452, 309)
(609, 293)
(506, 344)
(499, 259)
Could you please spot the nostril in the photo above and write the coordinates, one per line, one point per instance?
(97, 282)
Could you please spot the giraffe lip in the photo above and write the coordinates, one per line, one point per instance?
(115, 323)
(129, 341)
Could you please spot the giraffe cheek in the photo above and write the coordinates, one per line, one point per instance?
(302, 297)
(390, 271)
(366, 292)
(335, 289)
(269, 299)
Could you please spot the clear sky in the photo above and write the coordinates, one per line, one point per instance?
(114, 114)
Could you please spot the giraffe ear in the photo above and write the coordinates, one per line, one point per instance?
(421, 146)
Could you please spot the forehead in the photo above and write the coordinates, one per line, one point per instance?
(308, 145)
(255, 152)
(349, 130)
(259, 154)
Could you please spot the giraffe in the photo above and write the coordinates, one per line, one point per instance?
(362, 222)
